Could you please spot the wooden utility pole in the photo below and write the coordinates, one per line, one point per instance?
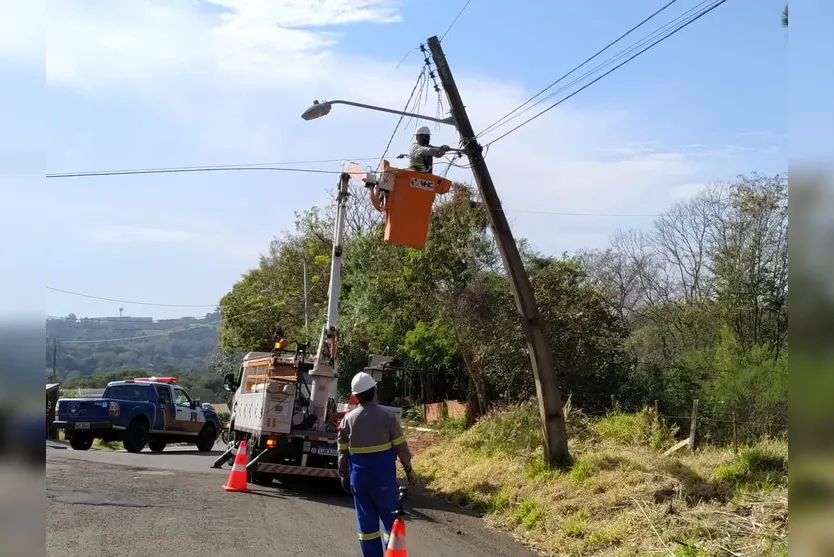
(54, 359)
(541, 357)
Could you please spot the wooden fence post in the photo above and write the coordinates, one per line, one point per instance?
(693, 427)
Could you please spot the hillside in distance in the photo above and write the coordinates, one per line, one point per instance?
(97, 345)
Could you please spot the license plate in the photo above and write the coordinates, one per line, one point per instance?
(82, 425)
(327, 451)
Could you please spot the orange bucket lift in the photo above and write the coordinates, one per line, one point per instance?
(405, 197)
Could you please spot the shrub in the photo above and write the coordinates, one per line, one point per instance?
(645, 428)
(757, 467)
(512, 432)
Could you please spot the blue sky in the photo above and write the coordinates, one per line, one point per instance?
(154, 83)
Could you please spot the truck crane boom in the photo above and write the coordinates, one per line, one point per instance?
(323, 374)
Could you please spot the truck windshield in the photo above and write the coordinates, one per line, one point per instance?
(133, 393)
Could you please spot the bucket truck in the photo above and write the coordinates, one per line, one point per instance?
(284, 403)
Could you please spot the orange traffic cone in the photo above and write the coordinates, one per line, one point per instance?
(396, 543)
(237, 477)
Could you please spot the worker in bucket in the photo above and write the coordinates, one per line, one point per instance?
(370, 441)
(422, 153)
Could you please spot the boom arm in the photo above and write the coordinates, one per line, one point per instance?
(324, 373)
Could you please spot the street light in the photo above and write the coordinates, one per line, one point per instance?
(319, 109)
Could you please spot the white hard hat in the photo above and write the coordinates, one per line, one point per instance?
(361, 382)
(423, 130)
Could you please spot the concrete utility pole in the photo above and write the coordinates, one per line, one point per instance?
(541, 357)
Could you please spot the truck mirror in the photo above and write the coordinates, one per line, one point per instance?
(229, 382)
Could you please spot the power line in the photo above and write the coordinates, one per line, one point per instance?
(454, 20)
(405, 109)
(621, 64)
(186, 170)
(235, 166)
(186, 328)
(132, 302)
(608, 62)
(158, 171)
(603, 49)
(176, 330)
(407, 54)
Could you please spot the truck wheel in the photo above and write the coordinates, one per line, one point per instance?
(206, 438)
(81, 441)
(157, 446)
(135, 436)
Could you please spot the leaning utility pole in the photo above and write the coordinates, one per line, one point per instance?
(541, 357)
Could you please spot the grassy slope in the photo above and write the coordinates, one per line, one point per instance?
(621, 497)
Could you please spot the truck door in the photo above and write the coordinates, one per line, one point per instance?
(189, 419)
(166, 413)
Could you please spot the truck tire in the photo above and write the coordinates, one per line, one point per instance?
(206, 438)
(262, 478)
(156, 445)
(81, 441)
(135, 436)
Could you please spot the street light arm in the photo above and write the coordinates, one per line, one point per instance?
(449, 120)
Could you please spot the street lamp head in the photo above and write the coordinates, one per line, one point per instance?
(317, 110)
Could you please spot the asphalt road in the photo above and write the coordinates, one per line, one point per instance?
(112, 503)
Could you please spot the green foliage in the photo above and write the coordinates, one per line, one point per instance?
(694, 308)
(528, 514)
(271, 296)
(451, 427)
(576, 525)
(169, 345)
(756, 468)
(643, 428)
(199, 385)
(512, 432)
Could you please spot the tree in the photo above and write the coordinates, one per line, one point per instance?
(785, 16)
(271, 296)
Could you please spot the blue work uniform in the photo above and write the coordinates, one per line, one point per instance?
(370, 440)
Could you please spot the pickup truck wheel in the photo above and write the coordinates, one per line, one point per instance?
(206, 438)
(81, 441)
(135, 437)
(157, 446)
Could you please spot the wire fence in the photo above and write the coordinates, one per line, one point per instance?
(711, 427)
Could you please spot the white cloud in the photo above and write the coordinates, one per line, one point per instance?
(21, 31)
(231, 78)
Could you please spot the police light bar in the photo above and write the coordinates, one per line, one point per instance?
(157, 379)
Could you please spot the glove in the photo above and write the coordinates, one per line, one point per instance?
(410, 476)
(346, 485)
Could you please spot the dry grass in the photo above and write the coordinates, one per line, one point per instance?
(620, 497)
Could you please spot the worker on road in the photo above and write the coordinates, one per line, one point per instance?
(422, 153)
(370, 440)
